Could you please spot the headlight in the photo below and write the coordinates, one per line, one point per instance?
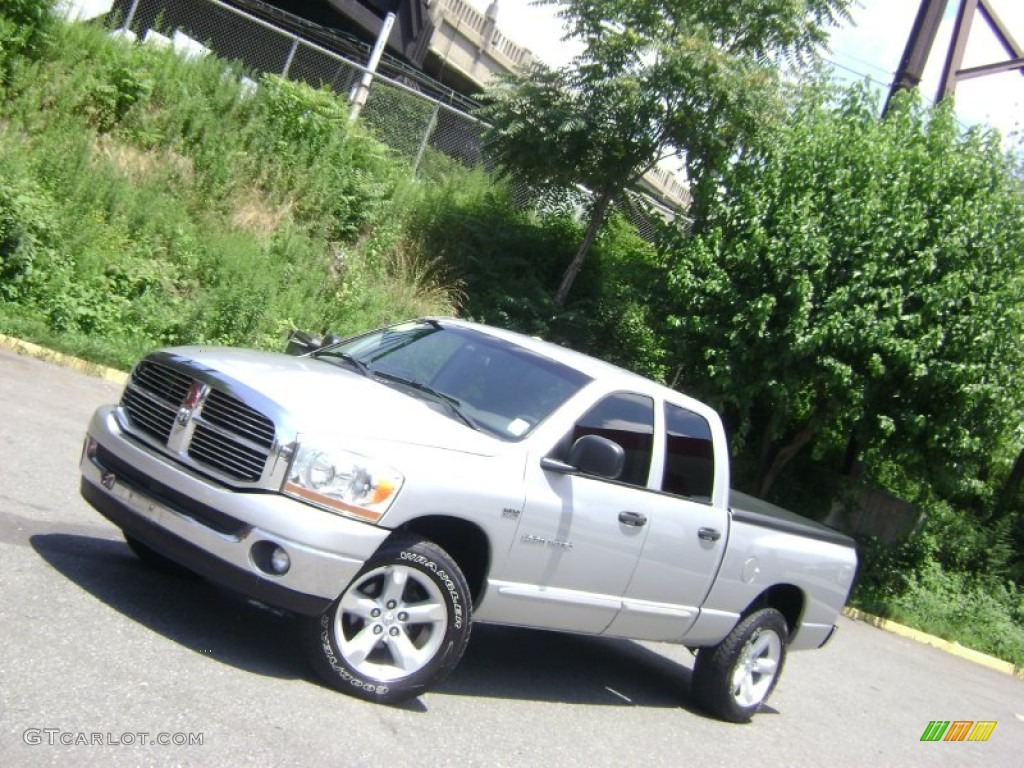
(343, 482)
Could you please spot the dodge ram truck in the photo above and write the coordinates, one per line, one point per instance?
(392, 488)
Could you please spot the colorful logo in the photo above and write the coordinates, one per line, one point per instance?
(958, 730)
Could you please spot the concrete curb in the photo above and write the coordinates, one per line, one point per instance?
(119, 377)
(66, 361)
(936, 642)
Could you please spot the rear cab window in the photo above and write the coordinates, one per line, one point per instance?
(689, 469)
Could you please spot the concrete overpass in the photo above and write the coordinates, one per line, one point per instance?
(467, 48)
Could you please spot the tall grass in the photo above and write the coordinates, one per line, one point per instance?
(151, 200)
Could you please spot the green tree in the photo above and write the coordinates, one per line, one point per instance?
(857, 286)
(656, 79)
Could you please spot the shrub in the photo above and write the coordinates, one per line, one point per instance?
(28, 235)
(25, 27)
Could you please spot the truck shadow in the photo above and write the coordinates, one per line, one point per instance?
(500, 662)
(183, 608)
(516, 663)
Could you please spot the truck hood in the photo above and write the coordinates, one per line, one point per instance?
(322, 397)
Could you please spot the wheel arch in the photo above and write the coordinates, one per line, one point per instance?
(787, 599)
(466, 542)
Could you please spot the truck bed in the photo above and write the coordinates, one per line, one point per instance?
(749, 509)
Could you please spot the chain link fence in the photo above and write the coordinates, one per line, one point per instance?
(398, 111)
(405, 109)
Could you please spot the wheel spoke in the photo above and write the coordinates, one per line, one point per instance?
(359, 647)
(766, 666)
(747, 693)
(395, 579)
(426, 613)
(760, 645)
(406, 655)
(739, 677)
(358, 605)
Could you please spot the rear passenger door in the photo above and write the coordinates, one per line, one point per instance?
(687, 535)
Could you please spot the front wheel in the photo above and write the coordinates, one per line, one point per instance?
(398, 629)
(734, 678)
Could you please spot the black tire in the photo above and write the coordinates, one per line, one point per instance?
(399, 628)
(734, 678)
(154, 559)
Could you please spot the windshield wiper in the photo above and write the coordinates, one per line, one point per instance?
(355, 362)
(454, 404)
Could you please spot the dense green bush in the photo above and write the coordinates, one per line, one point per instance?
(25, 27)
(511, 259)
(946, 579)
(27, 234)
(986, 614)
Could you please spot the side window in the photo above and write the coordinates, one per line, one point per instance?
(628, 420)
(689, 455)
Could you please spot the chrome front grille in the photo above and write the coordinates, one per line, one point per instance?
(231, 414)
(214, 429)
(153, 397)
(165, 383)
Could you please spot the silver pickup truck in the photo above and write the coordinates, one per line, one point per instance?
(394, 487)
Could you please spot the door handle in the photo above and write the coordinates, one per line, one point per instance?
(708, 534)
(632, 518)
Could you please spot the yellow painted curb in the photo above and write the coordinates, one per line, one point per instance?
(936, 642)
(67, 361)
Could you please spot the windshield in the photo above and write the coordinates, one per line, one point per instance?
(486, 382)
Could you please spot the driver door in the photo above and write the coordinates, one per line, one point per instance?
(579, 537)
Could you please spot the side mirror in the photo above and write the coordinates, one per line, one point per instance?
(301, 343)
(591, 455)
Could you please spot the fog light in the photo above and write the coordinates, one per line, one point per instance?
(279, 561)
(270, 558)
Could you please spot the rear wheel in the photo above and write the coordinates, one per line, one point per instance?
(734, 678)
(398, 629)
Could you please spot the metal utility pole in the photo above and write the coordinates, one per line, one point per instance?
(919, 45)
(951, 72)
(362, 91)
(922, 37)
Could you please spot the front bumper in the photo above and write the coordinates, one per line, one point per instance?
(212, 530)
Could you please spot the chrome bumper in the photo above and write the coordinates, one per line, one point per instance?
(222, 534)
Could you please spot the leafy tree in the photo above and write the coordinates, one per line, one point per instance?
(857, 288)
(656, 79)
